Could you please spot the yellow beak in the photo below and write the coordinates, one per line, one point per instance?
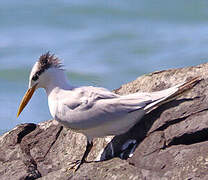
(26, 99)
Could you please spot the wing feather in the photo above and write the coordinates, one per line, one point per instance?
(89, 107)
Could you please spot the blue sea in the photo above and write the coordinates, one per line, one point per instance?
(101, 43)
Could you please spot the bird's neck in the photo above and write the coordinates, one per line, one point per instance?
(57, 81)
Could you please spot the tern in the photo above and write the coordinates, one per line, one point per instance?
(92, 111)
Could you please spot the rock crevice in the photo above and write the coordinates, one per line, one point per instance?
(170, 142)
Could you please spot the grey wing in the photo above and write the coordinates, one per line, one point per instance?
(99, 106)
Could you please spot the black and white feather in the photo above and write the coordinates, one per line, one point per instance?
(45, 62)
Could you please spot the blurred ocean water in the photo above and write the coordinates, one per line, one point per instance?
(101, 43)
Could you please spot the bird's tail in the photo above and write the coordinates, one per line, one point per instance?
(161, 97)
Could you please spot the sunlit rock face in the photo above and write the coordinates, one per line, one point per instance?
(169, 142)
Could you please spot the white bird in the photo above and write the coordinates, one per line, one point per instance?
(93, 111)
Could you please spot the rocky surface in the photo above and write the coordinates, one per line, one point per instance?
(170, 142)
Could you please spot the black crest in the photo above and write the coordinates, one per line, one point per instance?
(45, 62)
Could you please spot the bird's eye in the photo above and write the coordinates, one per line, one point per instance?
(35, 77)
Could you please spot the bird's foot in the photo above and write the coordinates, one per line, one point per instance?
(75, 165)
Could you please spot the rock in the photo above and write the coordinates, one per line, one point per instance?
(170, 142)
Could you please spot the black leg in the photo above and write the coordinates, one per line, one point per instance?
(88, 149)
(78, 163)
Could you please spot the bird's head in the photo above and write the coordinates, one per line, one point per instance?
(39, 76)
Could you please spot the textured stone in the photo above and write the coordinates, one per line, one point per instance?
(170, 142)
